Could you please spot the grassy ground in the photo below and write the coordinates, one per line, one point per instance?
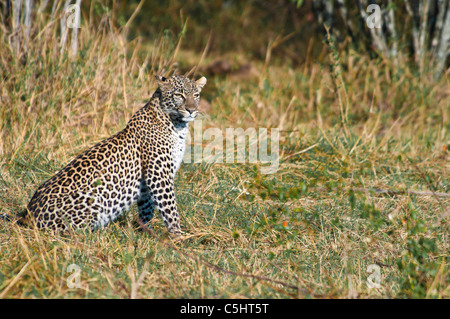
(310, 230)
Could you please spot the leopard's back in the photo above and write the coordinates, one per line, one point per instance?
(91, 190)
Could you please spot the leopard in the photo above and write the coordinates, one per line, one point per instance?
(134, 166)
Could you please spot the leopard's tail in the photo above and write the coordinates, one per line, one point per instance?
(19, 219)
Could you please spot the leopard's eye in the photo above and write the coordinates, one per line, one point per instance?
(196, 95)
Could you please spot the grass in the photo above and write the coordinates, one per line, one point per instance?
(346, 124)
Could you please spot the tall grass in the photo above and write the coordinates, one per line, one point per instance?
(349, 123)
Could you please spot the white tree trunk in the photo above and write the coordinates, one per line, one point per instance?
(74, 39)
(444, 45)
(27, 21)
(63, 24)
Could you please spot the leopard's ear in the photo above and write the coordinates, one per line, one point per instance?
(201, 82)
(160, 80)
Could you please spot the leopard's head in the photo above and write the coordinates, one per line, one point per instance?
(179, 96)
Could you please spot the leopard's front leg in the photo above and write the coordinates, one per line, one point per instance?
(162, 192)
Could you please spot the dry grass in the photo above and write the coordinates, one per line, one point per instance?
(364, 124)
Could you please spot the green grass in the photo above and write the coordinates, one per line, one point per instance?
(364, 124)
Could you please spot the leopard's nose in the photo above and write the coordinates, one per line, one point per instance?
(191, 106)
(191, 110)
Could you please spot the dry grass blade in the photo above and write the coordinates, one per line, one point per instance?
(215, 267)
(15, 279)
